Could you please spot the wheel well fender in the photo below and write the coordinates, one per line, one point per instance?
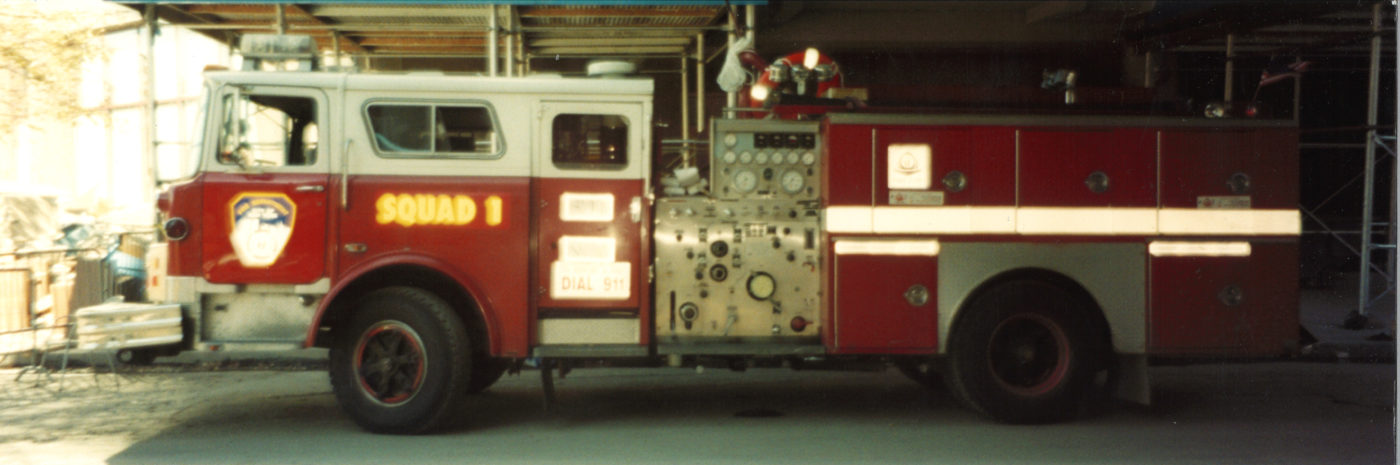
(339, 304)
(1083, 298)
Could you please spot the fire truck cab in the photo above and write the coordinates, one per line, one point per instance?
(435, 231)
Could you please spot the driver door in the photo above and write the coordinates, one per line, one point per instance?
(265, 195)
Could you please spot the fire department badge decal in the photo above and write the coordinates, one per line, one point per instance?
(262, 224)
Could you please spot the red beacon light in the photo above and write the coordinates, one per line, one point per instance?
(808, 73)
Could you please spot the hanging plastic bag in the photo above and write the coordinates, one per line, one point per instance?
(732, 75)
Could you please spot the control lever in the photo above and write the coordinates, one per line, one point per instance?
(729, 322)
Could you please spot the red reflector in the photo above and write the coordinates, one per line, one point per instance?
(799, 324)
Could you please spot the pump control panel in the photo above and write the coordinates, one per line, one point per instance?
(737, 269)
(765, 159)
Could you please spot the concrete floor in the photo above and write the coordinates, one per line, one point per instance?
(1293, 412)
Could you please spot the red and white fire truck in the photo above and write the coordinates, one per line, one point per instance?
(436, 231)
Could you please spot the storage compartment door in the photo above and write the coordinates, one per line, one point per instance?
(885, 299)
(1223, 298)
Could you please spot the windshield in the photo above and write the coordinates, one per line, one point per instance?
(182, 161)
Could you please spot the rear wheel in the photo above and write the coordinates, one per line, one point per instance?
(400, 364)
(1025, 352)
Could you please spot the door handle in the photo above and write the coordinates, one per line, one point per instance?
(311, 188)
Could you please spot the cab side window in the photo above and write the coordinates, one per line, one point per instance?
(585, 141)
(268, 130)
(430, 131)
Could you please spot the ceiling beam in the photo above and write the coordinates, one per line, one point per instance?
(346, 43)
(642, 50)
(421, 42)
(617, 41)
(604, 12)
(226, 9)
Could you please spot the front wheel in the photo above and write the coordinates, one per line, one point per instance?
(1025, 352)
(401, 363)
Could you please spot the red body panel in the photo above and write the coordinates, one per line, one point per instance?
(186, 201)
(627, 233)
(1055, 163)
(1189, 317)
(301, 260)
(985, 155)
(847, 165)
(490, 260)
(1200, 163)
(870, 311)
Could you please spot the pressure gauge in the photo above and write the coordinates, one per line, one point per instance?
(792, 181)
(746, 157)
(730, 139)
(792, 158)
(744, 181)
(809, 158)
(762, 158)
(779, 157)
(730, 156)
(761, 286)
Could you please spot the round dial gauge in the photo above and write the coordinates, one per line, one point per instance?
(792, 158)
(762, 158)
(761, 286)
(730, 156)
(744, 181)
(730, 139)
(792, 182)
(779, 156)
(746, 157)
(809, 158)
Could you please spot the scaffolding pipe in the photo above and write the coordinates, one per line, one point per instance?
(1229, 68)
(491, 52)
(1369, 184)
(150, 107)
(510, 42)
(685, 110)
(731, 98)
(519, 47)
(699, 83)
(281, 19)
(335, 44)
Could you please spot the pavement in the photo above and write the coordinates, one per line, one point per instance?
(1324, 313)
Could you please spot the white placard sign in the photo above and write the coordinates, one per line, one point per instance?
(586, 207)
(910, 166)
(590, 280)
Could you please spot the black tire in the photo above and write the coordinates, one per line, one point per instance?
(920, 370)
(486, 371)
(402, 363)
(1025, 352)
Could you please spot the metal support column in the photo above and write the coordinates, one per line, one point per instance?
(491, 51)
(699, 83)
(1229, 68)
(685, 111)
(281, 19)
(1368, 191)
(731, 98)
(150, 108)
(335, 44)
(510, 41)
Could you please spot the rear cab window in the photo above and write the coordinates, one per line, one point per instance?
(589, 141)
(434, 130)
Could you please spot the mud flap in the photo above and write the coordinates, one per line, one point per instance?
(1133, 383)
